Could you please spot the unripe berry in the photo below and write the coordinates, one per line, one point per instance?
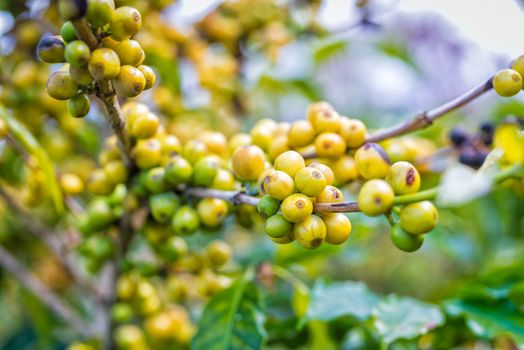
(330, 194)
(185, 222)
(212, 211)
(71, 184)
(353, 131)
(338, 228)
(310, 181)
(205, 170)
(278, 146)
(130, 337)
(301, 133)
(289, 162)
(61, 86)
(99, 184)
(248, 162)
(127, 21)
(403, 178)
(130, 82)
(405, 241)
(79, 105)
(77, 53)
(194, 150)
(268, 206)
(174, 248)
(375, 197)
(345, 169)
(278, 184)
(218, 253)
(129, 52)
(155, 180)
(297, 207)
(147, 153)
(262, 136)
(51, 49)
(311, 232)
(418, 218)
(323, 117)
(330, 145)
(148, 74)
(324, 169)
(518, 65)
(215, 142)
(178, 170)
(170, 145)
(238, 140)
(163, 206)
(145, 125)
(372, 161)
(224, 180)
(507, 82)
(67, 31)
(72, 9)
(104, 64)
(116, 171)
(81, 75)
(100, 12)
(288, 238)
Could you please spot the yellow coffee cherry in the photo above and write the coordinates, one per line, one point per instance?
(345, 169)
(278, 146)
(403, 178)
(507, 82)
(80, 75)
(100, 12)
(218, 253)
(338, 228)
(130, 337)
(116, 171)
(296, 207)
(301, 133)
(149, 75)
(239, 139)
(372, 161)
(98, 183)
(127, 21)
(130, 82)
(171, 145)
(330, 194)
(224, 180)
(147, 153)
(330, 145)
(289, 162)
(278, 184)
(215, 141)
(323, 117)
(418, 218)
(375, 197)
(129, 52)
(248, 162)
(194, 150)
(103, 64)
(61, 86)
(311, 232)
(310, 181)
(262, 136)
(71, 184)
(212, 211)
(131, 110)
(518, 65)
(282, 129)
(324, 169)
(145, 125)
(109, 42)
(353, 131)
(159, 326)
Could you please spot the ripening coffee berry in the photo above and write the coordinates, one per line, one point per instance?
(178, 170)
(170, 145)
(212, 211)
(330, 194)
(51, 49)
(67, 31)
(418, 218)
(507, 82)
(148, 74)
(174, 248)
(345, 169)
(297, 207)
(277, 226)
(81, 75)
(278, 184)
(375, 197)
(61, 86)
(215, 142)
(353, 131)
(155, 180)
(330, 145)
(289, 162)
(127, 21)
(338, 228)
(323, 117)
(372, 161)
(130, 52)
(116, 171)
(268, 206)
(405, 241)
(185, 222)
(310, 181)
(104, 64)
(71, 184)
(311, 232)
(79, 105)
(290, 237)
(518, 65)
(224, 180)
(324, 169)
(130, 82)
(205, 170)
(300, 134)
(98, 183)
(218, 253)
(70, 10)
(145, 125)
(248, 162)
(147, 153)
(262, 136)
(100, 12)
(403, 178)
(77, 53)
(163, 206)
(278, 146)
(194, 150)
(238, 140)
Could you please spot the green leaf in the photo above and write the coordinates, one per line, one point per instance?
(233, 319)
(330, 301)
(460, 184)
(405, 318)
(326, 50)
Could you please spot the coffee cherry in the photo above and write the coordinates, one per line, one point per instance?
(518, 65)
(115, 171)
(215, 142)
(205, 170)
(418, 218)
(147, 153)
(126, 23)
(296, 208)
(99, 184)
(278, 184)
(277, 226)
(100, 12)
(248, 162)
(403, 178)
(178, 171)
(212, 211)
(218, 253)
(338, 228)
(80, 75)
(372, 161)
(323, 117)
(268, 206)
(330, 145)
(289, 162)
(71, 184)
(262, 135)
(61, 86)
(104, 64)
(79, 105)
(301, 133)
(174, 248)
(67, 31)
(324, 169)
(145, 125)
(155, 180)
(345, 169)
(353, 131)
(290, 237)
(51, 49)
(77, 53)
(375, 197)
(149, 75)
(170, 145)
(311, 232)
(70, 10)
(224, 180)
(130, 336)
(130, 52)
(278, 146)
(194, 150)
(130, 82)
(185, 222)
(330, 194)
(163, 206)
(405, 241)
(238, 140)
(507, 82)
(310, 181)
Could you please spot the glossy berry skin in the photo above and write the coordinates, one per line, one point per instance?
(324, 169)
(353, 131)
(205, 170)
(338, 228)
(248, 162)
(507, 82)
(71, 184)
(290, 237)
(194, 150)
(330, 145)
(330, 194)
(218, 253)
(130, 82)
(77, 53)
(223, 180)
(215, 141)
(149, 76)
(155, 181)
(61, 86)
(99, 184)
(518, 65)
(67, 31)
(186, 221)
(268, 206)
(372, 161)
(170, 145)
(278, 184)
(238, 140)
(289, 162)
(277, 226)
(310, 181)
(100, 12)
(296, 208)
(345, 169)
(129, 52)
(174, 249)
(323, 117)
(300, 134)
(80, 75)
(145, 125)
(418, 218)
(127, 21)
(212, 211)
(163, 206)
(79, 105)
(51, 49)
(116, 171)
(178, 170)
(311, 232)
(403, 178)
(147, 153)
(375, 197)
(405, 241)
(104, 64)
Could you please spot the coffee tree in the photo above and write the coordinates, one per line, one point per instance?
(151, 229)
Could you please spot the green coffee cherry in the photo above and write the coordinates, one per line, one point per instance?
(185, 222)
(418, 218)
(154, 180)
(120, 313)
(77, 53)
(277, 226)
(51, 49)
(72, 9)
(178, 171)
(80, 75)
(68, 32)
(268, 206)
(100, 12)
(163, 206)
(174, 248)
(127, 21)
(205, 170)
(218, 253)
(78, 106)
(98, 247)
(405, 241)
(61, 86)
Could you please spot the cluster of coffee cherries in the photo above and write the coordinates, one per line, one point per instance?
(508, 82)
(117, 57)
